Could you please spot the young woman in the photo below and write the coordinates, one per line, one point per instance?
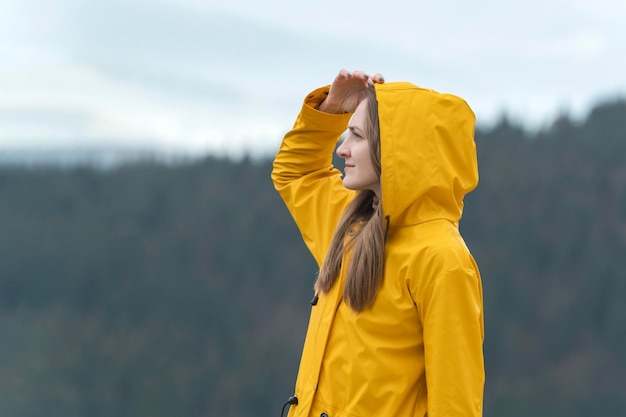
(396, 326)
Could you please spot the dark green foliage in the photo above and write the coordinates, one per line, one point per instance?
(548, 228)
(184, 290)
(148, 290)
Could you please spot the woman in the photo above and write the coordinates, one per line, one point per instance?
(396, 326)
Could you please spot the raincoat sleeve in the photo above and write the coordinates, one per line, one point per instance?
(453, 336)
(304, 176)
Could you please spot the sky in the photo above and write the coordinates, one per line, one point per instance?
(229, 77)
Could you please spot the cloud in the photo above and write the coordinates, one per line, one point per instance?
(230, 76)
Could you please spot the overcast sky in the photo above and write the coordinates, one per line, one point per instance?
(194, 76)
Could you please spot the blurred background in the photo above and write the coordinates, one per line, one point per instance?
(147, 266)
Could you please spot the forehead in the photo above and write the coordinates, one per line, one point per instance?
(359, 114)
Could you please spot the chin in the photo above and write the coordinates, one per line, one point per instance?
(352, 187)
(349, 186)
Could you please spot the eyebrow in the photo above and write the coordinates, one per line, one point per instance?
(356, 130)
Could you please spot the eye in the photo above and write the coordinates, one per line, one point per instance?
(357, 136)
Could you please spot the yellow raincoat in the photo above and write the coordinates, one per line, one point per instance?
(418, 350)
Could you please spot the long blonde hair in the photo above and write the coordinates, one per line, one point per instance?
(366, 246)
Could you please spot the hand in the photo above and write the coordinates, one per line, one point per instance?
(347, 91)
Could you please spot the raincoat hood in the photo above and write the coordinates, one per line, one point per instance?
(428, 154)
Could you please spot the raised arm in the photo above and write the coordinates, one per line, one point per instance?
(303, 172)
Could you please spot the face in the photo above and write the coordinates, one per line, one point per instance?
(359, 172)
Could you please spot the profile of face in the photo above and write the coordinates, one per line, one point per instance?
(359, 172)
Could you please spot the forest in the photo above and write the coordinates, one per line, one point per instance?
(183, 289)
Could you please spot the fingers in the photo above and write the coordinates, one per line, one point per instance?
(347, 90)
(378, 78)
(362, 76)
(344, 73)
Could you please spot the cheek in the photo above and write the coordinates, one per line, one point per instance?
(366, 157)
(364, 152)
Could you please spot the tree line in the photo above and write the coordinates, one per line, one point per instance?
(184, 289)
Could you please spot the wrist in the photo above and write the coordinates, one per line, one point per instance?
(329, 107)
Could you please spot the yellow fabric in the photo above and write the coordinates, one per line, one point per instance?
(418, 350)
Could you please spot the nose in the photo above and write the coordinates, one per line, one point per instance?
(343, 151)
